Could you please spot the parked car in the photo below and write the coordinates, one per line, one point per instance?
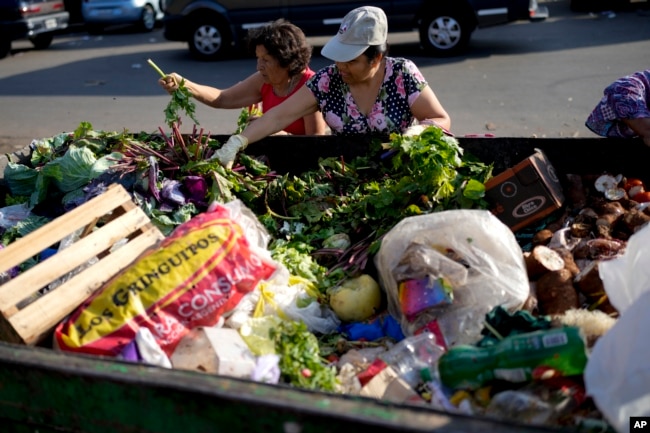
(212, 28)
(604, 5)
(36, 20)
(143, 14)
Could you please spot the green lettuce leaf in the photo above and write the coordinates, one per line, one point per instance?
(77, 167)
(20, 179)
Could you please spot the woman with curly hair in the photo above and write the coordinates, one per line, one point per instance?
(283, 57)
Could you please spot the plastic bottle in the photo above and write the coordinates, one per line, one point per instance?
(438, 399)
(411, 355)
(514, 358)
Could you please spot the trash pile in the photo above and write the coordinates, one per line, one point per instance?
(410, 293)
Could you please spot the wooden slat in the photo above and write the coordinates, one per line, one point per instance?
(38, 318)
(53, 232)
(27, 315)
(70, 258)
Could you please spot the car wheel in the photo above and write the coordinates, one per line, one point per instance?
(147, 18)
(446, 33)
(5, 46)
(209, 39)
(42, 41)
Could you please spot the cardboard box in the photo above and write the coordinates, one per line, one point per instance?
(525, 193)
(387, 385)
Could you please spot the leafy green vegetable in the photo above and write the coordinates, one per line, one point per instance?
(245, 116)
(297, 258)
(17, 199)
(23, 228)
(366, 197)
(20, 179)
(300, 361)
(77, 167)
(47, 149)
(181, 101)
(83, 130)
(362, 197)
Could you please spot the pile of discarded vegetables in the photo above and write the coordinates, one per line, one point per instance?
(326, 223)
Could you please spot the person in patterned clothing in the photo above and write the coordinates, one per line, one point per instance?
(624, 109)
(364, 92)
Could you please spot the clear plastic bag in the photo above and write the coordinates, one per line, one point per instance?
(12, 215)
(255, 232)
(471, 252)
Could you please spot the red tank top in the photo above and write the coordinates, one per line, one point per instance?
(270, 100)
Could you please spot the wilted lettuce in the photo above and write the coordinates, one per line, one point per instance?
(72, 171)
(20, 179)
(76, 168)
(44, 150)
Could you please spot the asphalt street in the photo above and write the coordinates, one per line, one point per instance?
(524, 79)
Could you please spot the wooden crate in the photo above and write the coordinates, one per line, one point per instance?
(30, 311)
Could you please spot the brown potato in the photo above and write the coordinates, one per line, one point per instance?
(555, 292)
(541, 260)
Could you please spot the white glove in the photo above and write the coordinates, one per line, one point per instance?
(228, 152)
(414, 130)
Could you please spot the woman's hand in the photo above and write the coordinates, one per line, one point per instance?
(170, 82)
(641, 126)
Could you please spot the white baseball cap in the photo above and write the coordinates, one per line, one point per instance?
(360, 28)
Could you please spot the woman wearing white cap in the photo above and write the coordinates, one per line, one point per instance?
(363, 92)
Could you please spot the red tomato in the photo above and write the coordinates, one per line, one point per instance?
(632, 182)
(642, 197)
(636, 189)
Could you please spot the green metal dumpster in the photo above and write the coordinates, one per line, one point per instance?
(43, 390)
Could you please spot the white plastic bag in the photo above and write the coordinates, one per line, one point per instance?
(617, 375)
(149, 349)
(255, 232)
(476, 240)
(627, 277)
(289, 297)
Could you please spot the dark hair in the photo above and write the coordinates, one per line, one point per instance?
(285, 42)
(375, 50)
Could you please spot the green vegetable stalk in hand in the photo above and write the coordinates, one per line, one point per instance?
(181, 100)
(245, 115)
